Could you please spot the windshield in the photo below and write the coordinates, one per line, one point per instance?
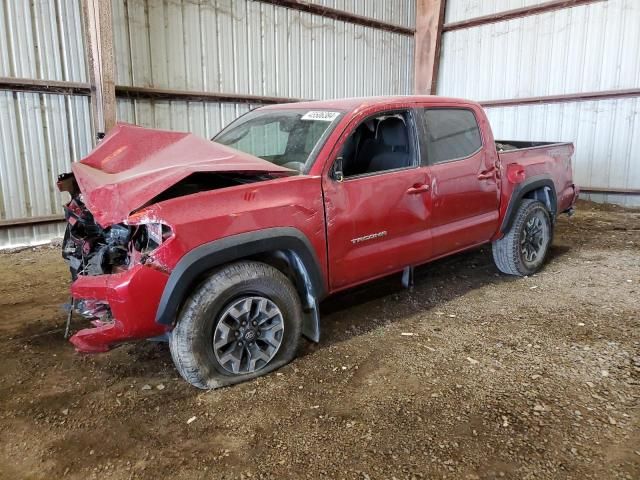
(289, 138)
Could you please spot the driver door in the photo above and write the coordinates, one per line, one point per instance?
(377, 209)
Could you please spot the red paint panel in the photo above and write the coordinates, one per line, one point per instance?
(385, 208)
(204, 217)
(133, 297)
(465, 207)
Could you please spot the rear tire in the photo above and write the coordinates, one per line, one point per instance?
(524, 248)
(225, 330)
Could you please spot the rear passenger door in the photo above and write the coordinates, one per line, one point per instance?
(464, 188)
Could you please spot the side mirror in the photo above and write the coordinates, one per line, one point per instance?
(338, 174)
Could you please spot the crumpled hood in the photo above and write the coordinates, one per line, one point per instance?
(132, 165)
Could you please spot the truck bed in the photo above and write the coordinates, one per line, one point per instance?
(537, 160)
(510, 145)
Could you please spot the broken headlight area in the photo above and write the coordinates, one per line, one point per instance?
(145, 239)
(90, 249)
(149, 236)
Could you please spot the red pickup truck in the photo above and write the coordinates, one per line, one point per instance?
(225, 247)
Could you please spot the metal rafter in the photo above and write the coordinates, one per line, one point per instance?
(44, 86)
(173, 94)
(341, 15)
(516, 13)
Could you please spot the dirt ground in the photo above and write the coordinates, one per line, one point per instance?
(470, 375)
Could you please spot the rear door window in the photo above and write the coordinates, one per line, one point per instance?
(448, 134)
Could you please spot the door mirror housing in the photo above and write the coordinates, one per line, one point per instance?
(338, 174)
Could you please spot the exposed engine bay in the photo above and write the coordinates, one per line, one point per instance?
(90, 249)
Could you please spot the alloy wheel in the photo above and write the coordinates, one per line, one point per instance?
(248, 334)
(534, 238)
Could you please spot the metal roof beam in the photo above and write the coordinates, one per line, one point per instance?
(516, 13)
(341, 15)
(44, 86)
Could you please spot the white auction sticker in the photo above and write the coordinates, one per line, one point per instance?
(320, 115)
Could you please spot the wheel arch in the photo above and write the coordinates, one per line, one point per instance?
(540, 187)
(284, 248)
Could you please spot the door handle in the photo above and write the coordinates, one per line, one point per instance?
(418, 188)
(487, 174)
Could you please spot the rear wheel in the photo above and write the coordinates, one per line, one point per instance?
(523, 250)
(240, 323)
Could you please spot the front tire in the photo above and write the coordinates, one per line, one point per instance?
(240, 323)
(524, 248)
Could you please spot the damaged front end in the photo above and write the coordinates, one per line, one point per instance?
(118, 252)
(112, 287)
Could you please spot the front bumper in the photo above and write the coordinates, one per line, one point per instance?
(132, 297)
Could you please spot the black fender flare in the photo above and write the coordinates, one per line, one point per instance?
(290, 242)
(541, 183)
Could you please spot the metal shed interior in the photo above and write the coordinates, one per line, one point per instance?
(545, 70)
(548, 73)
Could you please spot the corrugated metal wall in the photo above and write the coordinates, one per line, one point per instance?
(580, 49)
(459, 10)
(588, 48)
(40, 134)
(399, 12)
(251, 47)
(202, 118)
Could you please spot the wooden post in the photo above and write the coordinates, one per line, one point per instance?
(429, 20)
(99, 36)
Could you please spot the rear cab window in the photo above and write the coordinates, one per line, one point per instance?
(447, 134)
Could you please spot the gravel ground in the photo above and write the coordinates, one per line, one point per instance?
(469, 375)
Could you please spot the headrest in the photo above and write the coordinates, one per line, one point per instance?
(393, 132)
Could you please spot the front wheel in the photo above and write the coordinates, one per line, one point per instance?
(240, 323)
(523, 250)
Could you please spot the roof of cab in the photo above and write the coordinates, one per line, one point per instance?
(350, 104)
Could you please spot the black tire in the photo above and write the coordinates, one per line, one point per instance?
(192, 340)
(510, 253)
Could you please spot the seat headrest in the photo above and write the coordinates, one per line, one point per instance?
(393, 132)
